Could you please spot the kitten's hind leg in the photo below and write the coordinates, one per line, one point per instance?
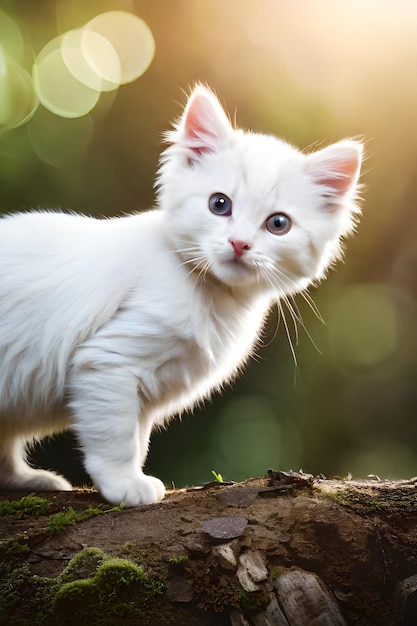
(105, 405)
(17, 475)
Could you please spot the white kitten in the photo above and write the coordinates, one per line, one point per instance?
(110, 327)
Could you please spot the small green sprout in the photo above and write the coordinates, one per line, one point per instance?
(217, 477)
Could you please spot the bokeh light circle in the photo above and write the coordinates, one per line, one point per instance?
(244, 420)
(18, 101)
(132, 39)
(72, 70)
(57, 88)
(364, 326)
(91, 59)
(11, 38)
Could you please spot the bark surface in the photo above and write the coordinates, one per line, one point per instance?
(288, 549)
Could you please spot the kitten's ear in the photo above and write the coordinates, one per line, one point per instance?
(336, 170)
(204, 125)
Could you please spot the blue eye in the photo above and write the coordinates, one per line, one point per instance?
(220, 204)
(278, 224)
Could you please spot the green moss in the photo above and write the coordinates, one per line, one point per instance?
(14, 548)
(26, 600)
(103, 590)
(367, 500)
(75, 597)
(83, 565)
(117, 572)
(118, 589)
(91, 511)
(252, 602)
(93, 589)
(59, 521)
(35, 505)
(28, 505)
(178, 560)
(275, 572)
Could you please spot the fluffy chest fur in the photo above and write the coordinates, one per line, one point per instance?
(180, 335)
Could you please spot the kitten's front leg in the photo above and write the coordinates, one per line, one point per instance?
(105, 405)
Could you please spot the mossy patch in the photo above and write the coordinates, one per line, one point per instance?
(368, 500)
(26, 599)
(93, 588)
(83, 565)
(16, 543)
(15, 547)
(115, 589)
(59, 521)
(28, 505)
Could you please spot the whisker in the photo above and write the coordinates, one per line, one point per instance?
(268, 274)
(198, 264)
(276, 278)
(276, 327)
(287, 330)
(312, 305)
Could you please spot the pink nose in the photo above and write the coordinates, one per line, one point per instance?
(239, 247)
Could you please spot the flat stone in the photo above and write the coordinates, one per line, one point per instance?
(225, 528)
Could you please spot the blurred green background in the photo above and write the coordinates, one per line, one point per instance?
(311, 73)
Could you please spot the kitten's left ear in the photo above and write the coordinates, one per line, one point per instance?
(336, 170)
(204, 125)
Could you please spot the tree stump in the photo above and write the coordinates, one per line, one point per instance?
(288, 549)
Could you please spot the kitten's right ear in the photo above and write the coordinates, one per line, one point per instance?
(204, 125)
(336, 168)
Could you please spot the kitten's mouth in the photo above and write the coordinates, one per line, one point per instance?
(237, 264)
(234, 271)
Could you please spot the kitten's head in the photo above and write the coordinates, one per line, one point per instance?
(249, 210)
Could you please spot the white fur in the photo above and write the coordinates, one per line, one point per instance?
(112, 326)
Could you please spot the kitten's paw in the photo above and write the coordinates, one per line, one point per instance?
(35, 480)
(159, 487)
(135, 491)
